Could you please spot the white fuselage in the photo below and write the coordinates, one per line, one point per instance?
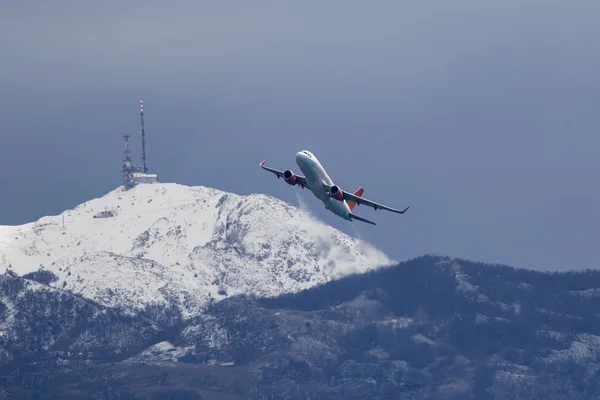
(316, 176)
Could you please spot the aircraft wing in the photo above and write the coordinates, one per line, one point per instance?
(300, 180)
(362, 200)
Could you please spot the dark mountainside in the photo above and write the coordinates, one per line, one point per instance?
(429, 328)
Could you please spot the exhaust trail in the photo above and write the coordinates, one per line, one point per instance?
(301, 202)
(356, 233)
(361, 243)
(363, 247)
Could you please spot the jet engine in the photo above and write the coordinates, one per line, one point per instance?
(289, 177)
(337, 193)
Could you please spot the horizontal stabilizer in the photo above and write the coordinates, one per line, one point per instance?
(354, 216)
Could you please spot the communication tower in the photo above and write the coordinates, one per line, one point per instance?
(133, 175)
(144, 167)
(127, 168)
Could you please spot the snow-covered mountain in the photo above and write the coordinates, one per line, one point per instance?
(174, 245)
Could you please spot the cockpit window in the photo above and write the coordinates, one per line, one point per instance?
(307, 153)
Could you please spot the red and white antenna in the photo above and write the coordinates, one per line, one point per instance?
(145, 168)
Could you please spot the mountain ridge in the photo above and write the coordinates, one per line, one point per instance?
(430, 327)
(168, 243)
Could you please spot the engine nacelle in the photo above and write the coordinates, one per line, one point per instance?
(289, 177)
(337, 193)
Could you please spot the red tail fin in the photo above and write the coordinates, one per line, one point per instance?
(352, 203)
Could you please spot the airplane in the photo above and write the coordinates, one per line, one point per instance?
(320, 184)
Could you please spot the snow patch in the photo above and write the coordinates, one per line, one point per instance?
(585, 348)
(587, 294)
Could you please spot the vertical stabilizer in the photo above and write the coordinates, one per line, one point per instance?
(352, 203)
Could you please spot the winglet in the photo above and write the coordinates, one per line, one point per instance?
(403, 211)
(263, 163)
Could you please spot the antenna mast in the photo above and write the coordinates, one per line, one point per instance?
(143, 137)
(127, 169)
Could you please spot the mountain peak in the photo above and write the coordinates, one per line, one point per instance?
(170, 244)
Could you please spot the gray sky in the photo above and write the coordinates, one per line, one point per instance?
(483, 116)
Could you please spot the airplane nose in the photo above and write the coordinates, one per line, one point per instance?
(299, 157)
